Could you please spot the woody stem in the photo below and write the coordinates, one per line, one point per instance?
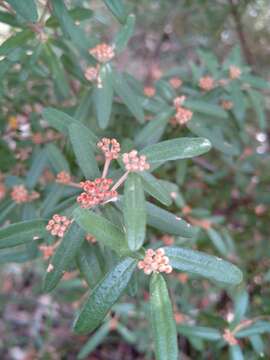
(120, 181)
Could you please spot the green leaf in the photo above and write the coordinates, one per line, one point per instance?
(202, 332)
(39, 162)
(117, 8)
(182, 148)
(217, 241)
(162, 320)
(240, 305)
(155, 188)
(61, 122)
(257, 102)
(68, 26)
(64, 254)
(259, 327)
(204, 265)
(206, 108)
(236, 353)
(168, 222)
(134, 212)
(125, 92)
(153, 131)
(21, 233)
(103, 97)
(165, 90)
(102, 229)
(57, 71)
(77, 14)
(104, 295)
(15, 41)
(125, 33)
(9, 19)
(94, 341)
(58, 119)
(57, 159)
(89, 264)
(197, 127)
(83, 149)
(27, 9)
(7, 210)
(256, 81)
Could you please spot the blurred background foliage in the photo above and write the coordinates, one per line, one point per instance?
(168, 34)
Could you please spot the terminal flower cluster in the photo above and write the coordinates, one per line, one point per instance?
(155, 262)
(20, 194)
(207, 83)
(110, 148)
(134, 162)
(58, 225)
(102, 52)
(182, 115)
(96, 192)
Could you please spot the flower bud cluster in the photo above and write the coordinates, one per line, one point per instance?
(102, 52)
(134, 162)
(155, 262)
(149, 91)
(96, 192)
(175, 82)
(58, 225)
(207, 83)
(110, 148)
(63, 177)
(183, 115)
(234, 72)
(20, 194)
(226, 104)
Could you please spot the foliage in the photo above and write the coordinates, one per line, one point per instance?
(135, 208)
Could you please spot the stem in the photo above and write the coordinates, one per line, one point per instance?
(120, 181)
(240, 32)
(70, 184)
(106, 168)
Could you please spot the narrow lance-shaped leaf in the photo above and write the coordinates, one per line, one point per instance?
(57, 159)
(204, 265)
(94, 341)
(168, 222)
(61, 122)
(103, 97)
(134, 212)
(204, 107)
(125, 33)
(39, 163)
(27, 9)
(155, 188)
(117, 8)
(130, 98)
(104, 295)
(182, 148)
(201, 332)
(102, 229)
(64, 254)
(197, 127)
(259, 327)
(21, 233)
(68, 26)
(88, 263)
(153, 131)
(162, 320)
(83, 150)
(57, 71)
(15, 41)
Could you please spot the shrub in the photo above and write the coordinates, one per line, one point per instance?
(92, 170)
